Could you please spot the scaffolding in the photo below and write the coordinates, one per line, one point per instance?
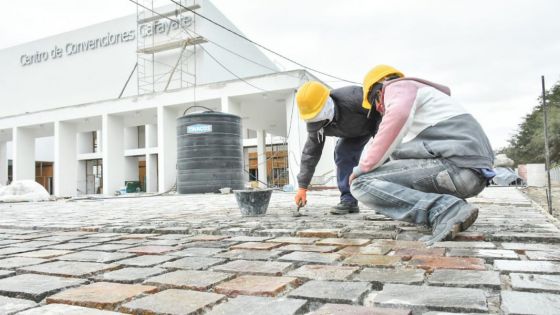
(166, 53)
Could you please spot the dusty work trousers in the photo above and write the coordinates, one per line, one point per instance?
(417, 190)
(346, 156)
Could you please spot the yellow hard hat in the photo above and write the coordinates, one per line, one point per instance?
(376, 75)
(311, 97)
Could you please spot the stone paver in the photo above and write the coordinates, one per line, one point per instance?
(35, 287)
(530, 303)
(372, 261)
(343, 241)
(150, 250)
(535, 282)
(69, 268)
(308, 248)
(323, 272)
(380, 276)
(343, 309)
(102, 295)
(56, 309)
(266, 268)
(432, 263)
(69, 246)
(173, 302)
(321, 233)
(465, 278)
(95, 256)
(204, 237)
(487, 254)
(256, 285)
(15, 250)
(465, 245)
(10, 305)
(331, 291)
(109, 247)
(130, 274)
(247, 254)
(364, 250)
(419, 252)
(256, 246)
(527, 266)
(189, 279)
(542, 255)
(512, 247)
(531, 246)
(45, 253)
(197, 251)
(311, 257)
(146, 260)
(435, 298)
(209, 244)
(194, 263)
(257, 305)
(6, 273)
(245, 238)
(294, 240)
(16, 262)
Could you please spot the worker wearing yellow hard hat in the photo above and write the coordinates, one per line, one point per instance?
(338, 113)
(427, 157)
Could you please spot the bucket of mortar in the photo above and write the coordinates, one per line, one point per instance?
(253, 202)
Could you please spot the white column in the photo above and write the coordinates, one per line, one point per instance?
(261, 156)
(3, 163)
(297, 134)
(113, 154)
(151, 173)
(230, 106)
(167, 148)
(151, 159)
(23, 154)
(65, 162)
(151, 136)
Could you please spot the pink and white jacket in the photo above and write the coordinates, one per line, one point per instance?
(422, 121)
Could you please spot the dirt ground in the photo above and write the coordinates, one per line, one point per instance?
(538, 194)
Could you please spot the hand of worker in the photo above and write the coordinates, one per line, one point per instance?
(301, 197)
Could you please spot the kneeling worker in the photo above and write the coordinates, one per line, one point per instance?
(439, 155)
(337, 113)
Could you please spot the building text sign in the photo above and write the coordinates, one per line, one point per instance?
(110, 39)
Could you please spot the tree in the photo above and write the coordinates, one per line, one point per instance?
(527, 145)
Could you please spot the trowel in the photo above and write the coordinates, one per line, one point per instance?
(297, 213)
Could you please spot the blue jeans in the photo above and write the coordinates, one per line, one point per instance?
(346, 156)
(417, 190)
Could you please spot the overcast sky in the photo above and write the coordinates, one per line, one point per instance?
(491, 53)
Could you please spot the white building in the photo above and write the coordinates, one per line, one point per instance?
(62, 105)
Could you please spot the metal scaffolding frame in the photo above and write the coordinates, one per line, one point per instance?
(159, 67)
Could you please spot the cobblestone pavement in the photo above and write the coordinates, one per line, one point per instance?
(196, 255)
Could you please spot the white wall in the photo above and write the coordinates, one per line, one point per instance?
(75, 79)
(100, 73)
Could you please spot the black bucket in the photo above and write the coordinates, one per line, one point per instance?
(253, 202)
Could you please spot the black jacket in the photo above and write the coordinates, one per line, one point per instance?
(350, 120)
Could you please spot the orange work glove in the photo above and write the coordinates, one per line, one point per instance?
(301, 197)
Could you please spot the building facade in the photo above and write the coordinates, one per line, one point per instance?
(85, 111)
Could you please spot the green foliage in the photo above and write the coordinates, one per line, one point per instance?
(527, 146)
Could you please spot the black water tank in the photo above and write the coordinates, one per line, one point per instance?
(209, 152)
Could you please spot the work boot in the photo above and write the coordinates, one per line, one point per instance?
(345, 207)
(446, 225)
